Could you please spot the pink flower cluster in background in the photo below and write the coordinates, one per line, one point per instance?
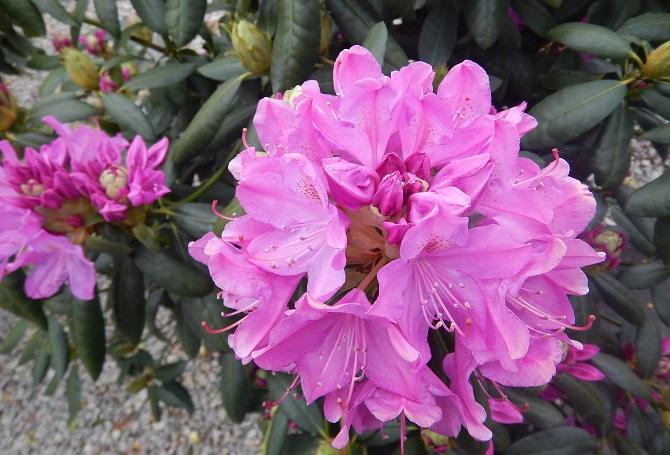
(52, 199)
(403, 211)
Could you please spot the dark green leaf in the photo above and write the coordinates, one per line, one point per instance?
(640, 425)
(147, 237)
(625, 446)
(485, 19)
(152, 13)
(234, 387)
(540, 412)
(572, 111)
(170, 371)
(73, 391)
(592, 39)
(129, 117)
(104, 245)
(438, 34)
(653, 199)
(657, 102)
(296, 44)
(43, 62)
(403, 8)
(648, 26)
(14, 336)
(160, 76)
(309, 418)
(174, 394)
(662, 239)
(222, 69)
(32, 346)
(206, 122)
(88, 329)
(637, 237)
(127, 299)
(660, 134)
(275, 435)
(558, 441)
(41, 364)
(534, 15)
(174, 275)
(66, 110)
(585, 397)
(648, 347)
(376, 41)
(194, 218)
(57, 11)
(60, 348)
(53, 80)
(156, 411)
(620, 374)
(560, 79)
(642, 276)
(13, 299)
(303, 444)
(611, 159)
(619, 298)
(26, 16)
(109, 16)
(183, 19)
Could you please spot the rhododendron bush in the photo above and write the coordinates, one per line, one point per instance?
(397, 226)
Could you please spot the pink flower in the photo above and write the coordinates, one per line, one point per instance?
(94, 43)
(59, 42)
(575, 364)
(106, 83)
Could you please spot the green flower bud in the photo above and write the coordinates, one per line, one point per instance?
(658, 62)
(252, 46)
(7, 108)
(80, 68)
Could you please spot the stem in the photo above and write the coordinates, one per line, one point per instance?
(202, 189)
(610, 319)
(372, 275)
(137, 39)
(637, 59)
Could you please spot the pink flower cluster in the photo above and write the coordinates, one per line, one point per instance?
(417, 202)
(52, 199)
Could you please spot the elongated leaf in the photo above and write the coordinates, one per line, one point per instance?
(619, 298)
(662, 239)
(127, 298)
(540, 412)
(660, 134)
(67, 110)
(88, 329)
(41, 364)
(60, 348)
(195, 218)
(534, 15)
(13, 299)
(73, 391)
(206, 122)
(160, 76)
(592, 39)
(170, 371)
(174, 275)
(14, 336)
(222, 69)
(183, 19)
(43, 62)
(376, 41)
(275, 435)
(657, 102)
(438, 34)
(26, 16)
(152, 13)
(585, 397)
(558, 441)
(572, 111)
(234, 389)
(649, 26)
(109, 16)
(309, 418)
(620, 373)
(625, 446)
(355, 18)
(642, 276)
(648, 347)
(637, 238)
(174, 394)
(296, 45)
(485, 19)
(653, 199)
(611, 159)
(57, 11)
(129, 117)
(661, 299)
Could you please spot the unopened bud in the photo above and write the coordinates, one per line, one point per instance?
(658, 62)
(252, 46)
(7, 108)
(326, 449)
(326, 30)
(113, 181)
(80, 68)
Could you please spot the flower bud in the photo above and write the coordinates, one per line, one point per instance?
(389, 196)
(252, 46)
(106, 83)
(60, 42)
(80, 68)
(351, 185)
(658, 62)
(326, 30)
(114, 181)
(7, 108)
(95, 43)
(608, 241)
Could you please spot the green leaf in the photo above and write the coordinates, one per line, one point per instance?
(57, 11)
(485, 19)
(662, 239)
(152, 13)
(101, 244)
(88, 329)
(188, 336)
(73, 391)
(653, 199)
(572, 111)
(558, 441)
(540, 413)
(13, 299)
(170, 371)
(625, 446)
(585, 397)
(195, 218)
(60, 348)
(648, 26)
(65, 110)
(534, 15)
(611, 158)
(642, 276)
(43, 62)
(179, 277)
(223, 68)
(147, 237)
(636, 237)
(296, 44)
(657, 102)
(661, 299)
(53, 80)
(129, 117)
(438, 34)
(14, 336)
(206, 122)
(184, 18)
(376, 41)
(620, 374)
(174, 394)
(109, 16)
(26, 16)
(619, 298)
(660, 134)
(156, 411)
(234, 387)
(592, 39)
(160, 76)
(355, 18)
(127, 299)
(275, 434)
(41, 364)
(309, 418)
(648, 347)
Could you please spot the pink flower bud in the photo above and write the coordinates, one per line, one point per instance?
(389, 196)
